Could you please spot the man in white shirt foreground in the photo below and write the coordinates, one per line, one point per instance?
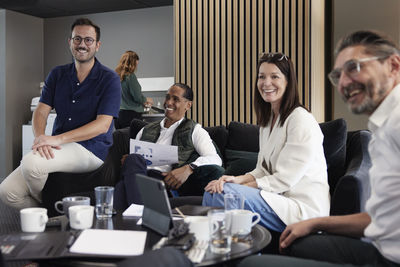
(198, 164)
(367, 75)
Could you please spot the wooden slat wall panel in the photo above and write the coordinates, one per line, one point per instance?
(218, 42)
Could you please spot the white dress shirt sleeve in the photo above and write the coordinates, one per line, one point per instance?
(203, 144)
(139, 134)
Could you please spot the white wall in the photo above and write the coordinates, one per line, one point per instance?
(2, 93)
(30, 47)
(22, 67)
(352, 15)
(149, 32)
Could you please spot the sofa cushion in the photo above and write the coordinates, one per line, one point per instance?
(239, 162)
(243, 137)
(335, 136)
(219, 134)
(136, 126)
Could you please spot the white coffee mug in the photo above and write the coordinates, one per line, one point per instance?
(33, 219)
(62, 206)
(81, 216)
(242, 221)
(198, 225)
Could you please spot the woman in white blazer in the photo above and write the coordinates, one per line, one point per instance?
(289, 183)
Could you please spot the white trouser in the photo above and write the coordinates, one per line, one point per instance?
(23, 187)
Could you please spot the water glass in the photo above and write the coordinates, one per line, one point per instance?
(104, 201)
(233, 201)
(220, 231)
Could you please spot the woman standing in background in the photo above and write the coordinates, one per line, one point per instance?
(133, 101)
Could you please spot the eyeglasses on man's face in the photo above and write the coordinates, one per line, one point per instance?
(78, 40)
(351, 68)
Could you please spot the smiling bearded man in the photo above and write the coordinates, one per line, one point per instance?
(86, 96)
(198, 164)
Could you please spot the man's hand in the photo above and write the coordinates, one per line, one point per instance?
(45, 144)
(123, 159)
(175, 178)
(347, 225)
(294, 231)
(149, 102)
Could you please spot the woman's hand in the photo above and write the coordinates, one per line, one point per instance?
(251, 184)
(217, 186)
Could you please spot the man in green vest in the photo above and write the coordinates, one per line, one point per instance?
(198, 163)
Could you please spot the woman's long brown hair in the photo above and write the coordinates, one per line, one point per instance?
(127, 64)
(290, 99)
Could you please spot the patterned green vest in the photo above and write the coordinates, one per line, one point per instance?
(182, 138)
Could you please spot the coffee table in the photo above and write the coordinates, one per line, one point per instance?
(260, 238)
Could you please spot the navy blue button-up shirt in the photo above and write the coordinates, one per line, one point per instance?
(77, 104)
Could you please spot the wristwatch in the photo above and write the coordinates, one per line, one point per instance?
(193, 166)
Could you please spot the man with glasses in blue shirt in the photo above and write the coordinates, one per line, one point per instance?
(367, 76)
(86, 96)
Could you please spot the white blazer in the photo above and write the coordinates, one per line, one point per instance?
(291, 168)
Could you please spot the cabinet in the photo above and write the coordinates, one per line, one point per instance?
(27, 134)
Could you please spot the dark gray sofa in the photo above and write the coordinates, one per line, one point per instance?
(346, 155)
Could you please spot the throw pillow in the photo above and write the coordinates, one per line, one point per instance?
(335, 136)
(239, 162)
(243, 136)
(219, 134)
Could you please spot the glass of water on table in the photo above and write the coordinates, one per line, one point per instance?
(220, 231)
(104, 201)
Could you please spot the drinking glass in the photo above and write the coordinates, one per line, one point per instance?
(220, 231)
(233, 201)
(104, 201)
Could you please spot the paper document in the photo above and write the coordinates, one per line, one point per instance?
(155, 154)
(110, 242)
(140, 221)
(134, 210)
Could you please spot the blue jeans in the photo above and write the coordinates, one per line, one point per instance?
(253, 201)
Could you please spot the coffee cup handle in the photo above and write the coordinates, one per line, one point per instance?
(56, 206)
(257, 220)
(44, 219)
(214, 227)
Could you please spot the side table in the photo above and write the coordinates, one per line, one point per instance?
(260, 238)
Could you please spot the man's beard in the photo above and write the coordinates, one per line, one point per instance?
(87, 58)
(369, 103)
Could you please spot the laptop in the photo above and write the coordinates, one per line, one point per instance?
(157, 213)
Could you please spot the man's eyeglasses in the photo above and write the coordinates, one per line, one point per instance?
(351, 68)
(78, 40)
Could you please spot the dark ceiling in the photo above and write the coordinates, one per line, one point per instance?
(60, 8)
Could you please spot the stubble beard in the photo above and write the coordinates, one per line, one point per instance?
(90, 55)
(370, 103)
